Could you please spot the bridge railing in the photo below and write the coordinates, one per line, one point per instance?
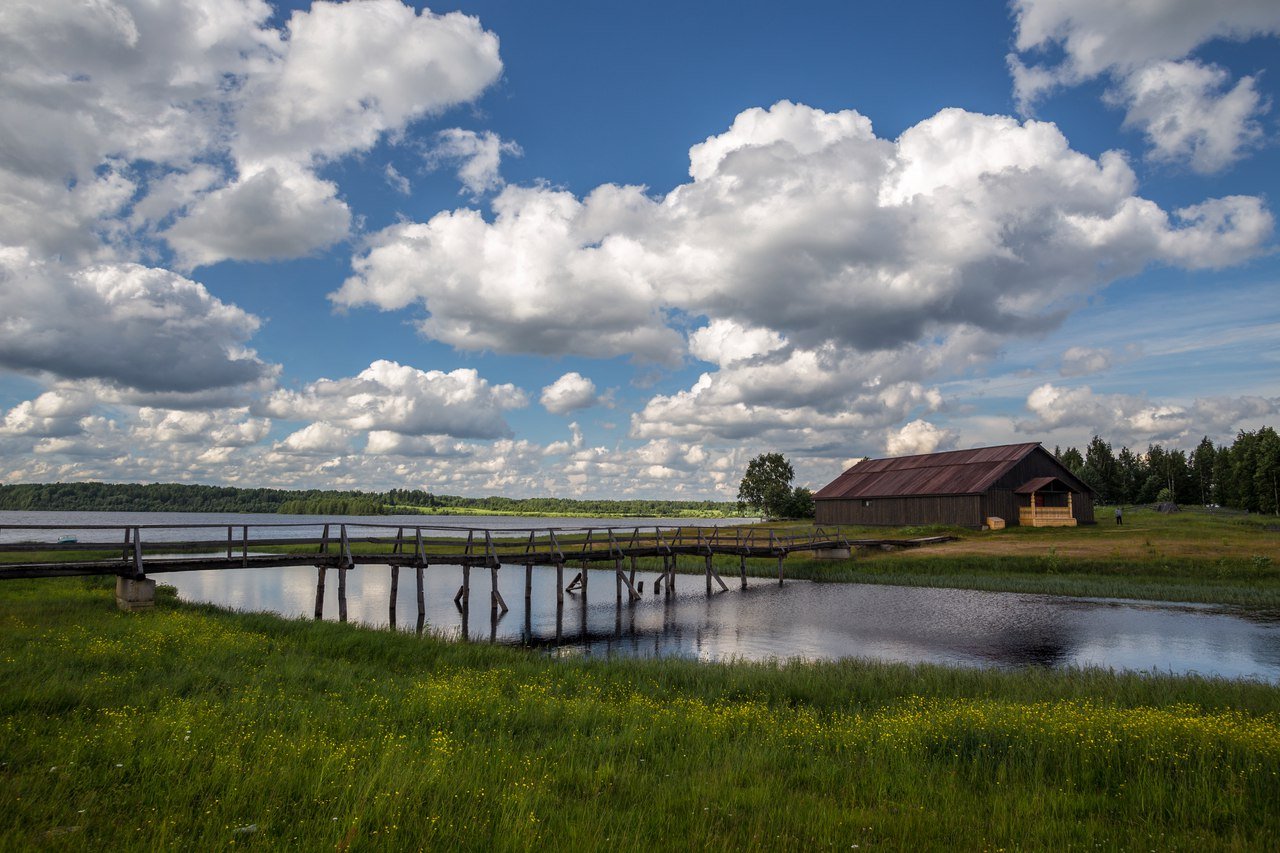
(327, 540)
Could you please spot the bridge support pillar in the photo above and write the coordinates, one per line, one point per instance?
(836, 553)
(134, 594)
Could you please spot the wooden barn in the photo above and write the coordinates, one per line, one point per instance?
(1017, 483)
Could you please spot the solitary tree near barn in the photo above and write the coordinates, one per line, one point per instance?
(767, 485)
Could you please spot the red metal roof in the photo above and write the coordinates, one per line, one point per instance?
(1036, 485)
(956, 472)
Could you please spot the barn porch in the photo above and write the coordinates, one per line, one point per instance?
(1045, 502)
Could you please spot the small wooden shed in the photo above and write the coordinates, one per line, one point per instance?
(1022, 484)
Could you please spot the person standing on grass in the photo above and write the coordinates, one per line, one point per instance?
(1119, 516)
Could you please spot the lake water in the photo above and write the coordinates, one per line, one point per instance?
(798, 620)
(764, 621)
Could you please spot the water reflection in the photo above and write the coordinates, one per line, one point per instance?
(804, 620)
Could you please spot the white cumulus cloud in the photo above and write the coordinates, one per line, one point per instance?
(128, 325)
(1189, 111)
(571, 391)
(918, 436)
(1079, 361)
(805, 224)
(397, 398)
(1130, 419)
(478, 157)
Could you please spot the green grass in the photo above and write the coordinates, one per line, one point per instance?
(1194, 555)
(192, 728)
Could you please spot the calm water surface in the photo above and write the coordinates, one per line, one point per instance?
(798, 620)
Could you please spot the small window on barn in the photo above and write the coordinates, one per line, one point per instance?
(866, 503)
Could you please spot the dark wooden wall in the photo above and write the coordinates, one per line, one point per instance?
(963, 510)
(1001, 501)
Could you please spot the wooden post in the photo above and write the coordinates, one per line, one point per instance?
(633, 569)
(528, 586)
(781, 557)
(1070, 509)
(617, 578)
(742, 569)
(229, 540)
(1033, 509)
(584, 582)
(418, 565)
(708, 573)
(395, 591)
(342, 592)
(496, 601)
(559, 586)
(716, 575)
(319, 592)
(244, 545)
(137, 552)
(466, 587)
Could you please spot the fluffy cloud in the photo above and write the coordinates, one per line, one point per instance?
(1079, 361)
(276, 213)
(319, 437)
(1188, 110)
(569, 392)
(401, 399)
(201, 109)
(345, 73)
(524, 283)
(209, 427)
(478, 157)
(125, 324)
(724, 342)
(1128, 419)
(802, 223)
(53, 414)
(919, 436)
(1190, 113)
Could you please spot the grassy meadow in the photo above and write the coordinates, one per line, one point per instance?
(189, 727)
(1220, 557)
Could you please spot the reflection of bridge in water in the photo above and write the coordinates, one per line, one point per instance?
(132, 552)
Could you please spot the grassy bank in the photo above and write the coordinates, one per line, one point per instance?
(1194, 555)
(191, 728)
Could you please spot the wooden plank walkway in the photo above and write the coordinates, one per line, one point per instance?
(136, 551)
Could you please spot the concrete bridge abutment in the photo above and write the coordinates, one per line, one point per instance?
(134, 594)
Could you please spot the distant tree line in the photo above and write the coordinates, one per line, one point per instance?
(402, 500)
(1244, 474)
(175, 497)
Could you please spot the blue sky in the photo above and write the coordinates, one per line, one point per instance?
(597, 250)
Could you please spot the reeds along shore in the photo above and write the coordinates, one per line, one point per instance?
(193, 727)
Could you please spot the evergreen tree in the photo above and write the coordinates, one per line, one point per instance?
(1100, 470)
(1203, 462)
(1266, 475)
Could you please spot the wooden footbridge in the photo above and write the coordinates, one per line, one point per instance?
(132, 552)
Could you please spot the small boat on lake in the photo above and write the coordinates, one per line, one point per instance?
(67, 540)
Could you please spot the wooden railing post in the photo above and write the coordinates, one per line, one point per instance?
(137, 552)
